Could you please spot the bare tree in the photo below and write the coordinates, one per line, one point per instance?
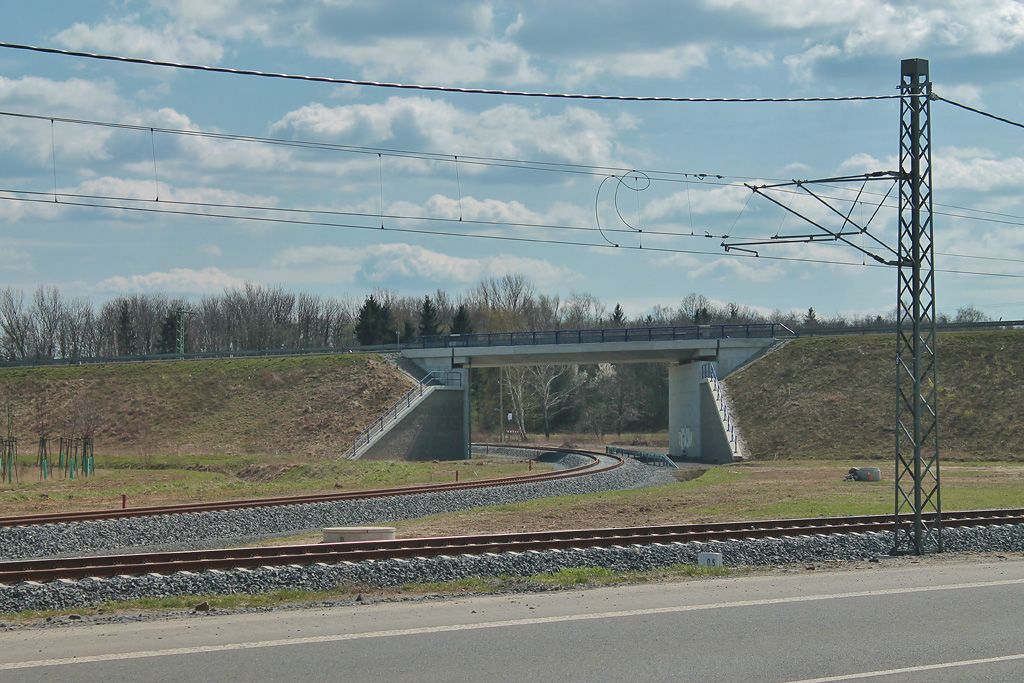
(15, 323)
(522, 401)
(555, 387)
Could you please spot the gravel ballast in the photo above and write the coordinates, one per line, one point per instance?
(206, 529)
(391, 573)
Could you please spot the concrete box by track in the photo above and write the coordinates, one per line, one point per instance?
(344, 534)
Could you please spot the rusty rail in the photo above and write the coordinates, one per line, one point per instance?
(65, 517)
(51, 569)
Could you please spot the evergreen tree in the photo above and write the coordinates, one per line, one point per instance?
(408, 331)
(810, 318)
(618, 317)
(373, 324)
(168, 341)
(461, 323)
(429, 325)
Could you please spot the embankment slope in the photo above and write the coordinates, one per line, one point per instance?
(291, 405)
(835, 397)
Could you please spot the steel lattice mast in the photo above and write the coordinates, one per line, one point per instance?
(917, 488)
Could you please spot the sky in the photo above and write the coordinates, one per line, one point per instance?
(480, 167)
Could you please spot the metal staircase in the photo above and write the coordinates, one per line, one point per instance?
(709, 373)
(400, 408)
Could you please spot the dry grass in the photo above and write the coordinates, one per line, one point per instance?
(834, 397)
(738, 492)
(161, 480)
(312, 405)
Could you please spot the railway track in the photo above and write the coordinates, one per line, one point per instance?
(598, 462)
(42, 570)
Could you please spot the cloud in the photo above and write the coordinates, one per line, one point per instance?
(129, 37)
(967, 93)
(210, 250)
(469, 208)
(862, 162)
(955, 168)
(746, 58)
(430, 61)
(795, 167)
(724, 268)
(801, 66)
(679, 205)
(146, 188)
(673, 63)
(175, 281)
(576, 134)
(35, 140)
(15, 261)
(384, 262)
(13, 209)
(876, 27)
(978, 169)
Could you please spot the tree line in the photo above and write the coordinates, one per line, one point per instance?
(46, 324)
(599, 399)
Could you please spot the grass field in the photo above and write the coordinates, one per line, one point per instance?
(155, 480)
(757, 490)
(745, 491)
(303, 405)
(835, 397)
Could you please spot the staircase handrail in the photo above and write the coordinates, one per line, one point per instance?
(709, 373)
(431, 379)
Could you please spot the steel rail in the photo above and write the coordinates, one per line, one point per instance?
(68, 517)
(50, 569)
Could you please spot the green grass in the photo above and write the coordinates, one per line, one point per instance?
(756, 490)
(178, 478)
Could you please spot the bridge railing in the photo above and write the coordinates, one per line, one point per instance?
(447, 378)
(754, 330)
(709, 373)
(646, 457)
(600, 336)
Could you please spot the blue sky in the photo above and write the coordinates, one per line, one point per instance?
(710, 48)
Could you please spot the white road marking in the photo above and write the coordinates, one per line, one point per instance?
(341, 637)
(912, 669)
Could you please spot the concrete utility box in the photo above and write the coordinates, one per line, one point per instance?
(344, 534)
(709, 559)
(867, 474)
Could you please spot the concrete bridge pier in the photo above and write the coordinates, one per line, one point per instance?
(684, 409)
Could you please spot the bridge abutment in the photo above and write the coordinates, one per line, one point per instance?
(684, 409)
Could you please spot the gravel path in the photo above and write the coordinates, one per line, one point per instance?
(388, 573)
(223, 528)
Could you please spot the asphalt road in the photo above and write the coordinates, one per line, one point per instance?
(941, 622)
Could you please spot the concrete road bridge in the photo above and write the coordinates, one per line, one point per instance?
(434, 418)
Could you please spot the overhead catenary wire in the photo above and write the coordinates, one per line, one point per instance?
(660, 175)
(975, 110)
(714, 179)
(434, 88)
(381, 216)
(505, 238)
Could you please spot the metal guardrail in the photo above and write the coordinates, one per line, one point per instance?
(709, 373)
(891, 329)
(601, 336)
(432, 380)
(646, 457)
(195, 355)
